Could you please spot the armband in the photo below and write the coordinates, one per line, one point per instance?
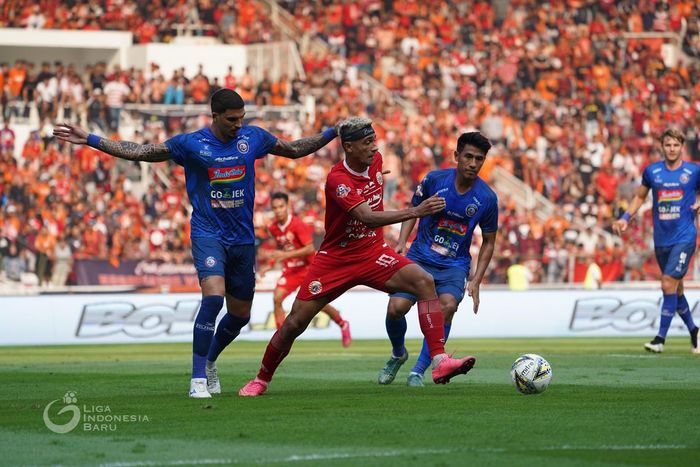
(93, 140)
(329, 133)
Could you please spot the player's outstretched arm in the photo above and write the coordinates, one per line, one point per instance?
(406, 229)
(364, 213)
(621, 224)
(485, 254)
(122, 149)
(304, 146)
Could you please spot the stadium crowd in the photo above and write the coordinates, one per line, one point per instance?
(573, 107)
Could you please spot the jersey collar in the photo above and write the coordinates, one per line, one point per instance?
(364, 174)
(286, 224)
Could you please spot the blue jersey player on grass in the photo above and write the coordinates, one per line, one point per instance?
(219, 164)
(674, 185)
(442, 247)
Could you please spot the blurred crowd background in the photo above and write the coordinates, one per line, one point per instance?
(573, 94)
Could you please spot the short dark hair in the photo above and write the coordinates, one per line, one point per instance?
(473, 138)
(279, 195)
(225, 99)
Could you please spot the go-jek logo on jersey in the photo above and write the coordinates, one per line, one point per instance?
(220, 175)
(69, 399)
(669, 196)
(455, 228)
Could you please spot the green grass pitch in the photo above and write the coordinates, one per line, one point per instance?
(609, 404)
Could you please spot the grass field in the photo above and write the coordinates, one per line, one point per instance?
(609, 404)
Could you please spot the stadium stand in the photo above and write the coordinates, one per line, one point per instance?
(573, 94)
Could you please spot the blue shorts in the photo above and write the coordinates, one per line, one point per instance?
(236, 264)
(673, 260)
(447, 281)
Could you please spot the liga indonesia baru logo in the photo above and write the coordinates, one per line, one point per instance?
(93, 417)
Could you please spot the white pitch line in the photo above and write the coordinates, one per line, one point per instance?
(622, 355)
(394, 453)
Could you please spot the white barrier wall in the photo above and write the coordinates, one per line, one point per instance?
(124, 318)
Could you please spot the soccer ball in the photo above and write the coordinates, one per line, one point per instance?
(531, 374)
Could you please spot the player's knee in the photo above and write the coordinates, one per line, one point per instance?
(669, 285)
(395, 311)
(448, 311)
(425, 284)
(292, 327)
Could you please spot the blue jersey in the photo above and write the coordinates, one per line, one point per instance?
(220, 181)
(673, 193)
(444, 238)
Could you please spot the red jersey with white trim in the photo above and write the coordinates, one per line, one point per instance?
(345, 190)
(294, 234)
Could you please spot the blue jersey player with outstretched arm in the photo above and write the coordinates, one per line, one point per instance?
(219, 163)
(442, 246)
(674, 185)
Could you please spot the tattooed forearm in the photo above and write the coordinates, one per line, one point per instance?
(134, 151)
(299, 148)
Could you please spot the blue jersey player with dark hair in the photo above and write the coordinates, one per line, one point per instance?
(442, 246)
(219, 163)
(674, 185)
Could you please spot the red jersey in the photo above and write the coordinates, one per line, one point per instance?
(294, 234)
(345, 190)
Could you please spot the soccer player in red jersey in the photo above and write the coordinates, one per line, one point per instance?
(353, 252)
(295, 250)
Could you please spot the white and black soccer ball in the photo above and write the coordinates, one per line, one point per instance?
(531, 374)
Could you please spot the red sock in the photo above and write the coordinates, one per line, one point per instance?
(432, 325)
(338, 320)
(274, 354)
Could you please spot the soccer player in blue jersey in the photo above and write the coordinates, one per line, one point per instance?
(674, 184)
(442, 246)
(219, 164)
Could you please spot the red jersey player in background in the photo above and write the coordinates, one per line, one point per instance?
(295, 250)
(353, 253)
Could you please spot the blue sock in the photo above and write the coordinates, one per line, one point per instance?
(203, 332)
(424, 358)
(684, 311)
(396, 330)
(228, 329)
(668, 309)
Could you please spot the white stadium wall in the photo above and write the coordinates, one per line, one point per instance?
(137, 318)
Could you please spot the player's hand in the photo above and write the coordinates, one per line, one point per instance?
(619, 226)
(430, 206)
(275, 255)
(473, 291)
(70, 133)
(695, 207)
(401, 248)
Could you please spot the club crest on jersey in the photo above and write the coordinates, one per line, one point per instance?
(315, 287)
(210, 261)
(242, 146)
(471, 210)
(684, 178)
(342, 191)
(380, 178)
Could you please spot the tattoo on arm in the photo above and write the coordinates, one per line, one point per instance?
(134, 151)
(299, 148)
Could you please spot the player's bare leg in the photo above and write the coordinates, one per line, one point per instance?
(281, 343)
(277, 298)
(414, 280)
(334, 314)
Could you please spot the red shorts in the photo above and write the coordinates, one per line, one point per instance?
(291, 279)
(330, 276)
